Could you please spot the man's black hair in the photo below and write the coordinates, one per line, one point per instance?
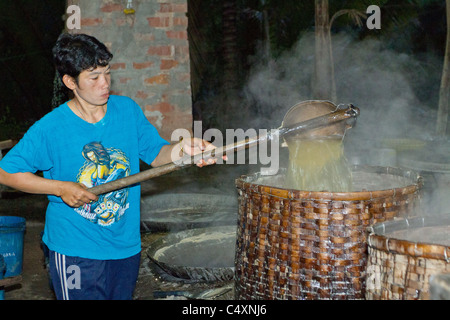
(74, 53)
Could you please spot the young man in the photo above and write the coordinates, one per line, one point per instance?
(92, 139)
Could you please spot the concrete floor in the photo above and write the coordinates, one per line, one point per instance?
(35, 281)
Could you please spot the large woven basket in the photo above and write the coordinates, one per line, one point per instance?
(295, 244)
(404, 254)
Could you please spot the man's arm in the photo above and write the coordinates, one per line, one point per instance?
(73, 194)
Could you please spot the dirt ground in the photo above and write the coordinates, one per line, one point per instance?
(35, 284)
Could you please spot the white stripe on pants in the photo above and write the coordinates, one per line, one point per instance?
(60, 263)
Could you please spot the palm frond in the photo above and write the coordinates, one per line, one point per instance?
(355, 15)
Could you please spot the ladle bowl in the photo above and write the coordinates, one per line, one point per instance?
(311, 109)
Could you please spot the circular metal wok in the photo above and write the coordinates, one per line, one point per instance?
(203, 255)
(433, 157)
(181, 211)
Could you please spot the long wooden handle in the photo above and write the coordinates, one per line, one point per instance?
(10, 281)
(134, 178)
(173, 166)
(187, 161)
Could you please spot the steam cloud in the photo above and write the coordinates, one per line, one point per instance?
(396, 93)
(381, 82)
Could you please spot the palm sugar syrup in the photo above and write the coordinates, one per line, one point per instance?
(318, 165)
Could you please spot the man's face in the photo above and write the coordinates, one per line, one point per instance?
(94, 85)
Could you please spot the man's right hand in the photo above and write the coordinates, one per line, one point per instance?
(75, 194)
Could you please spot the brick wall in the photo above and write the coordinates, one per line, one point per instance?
(151, 55)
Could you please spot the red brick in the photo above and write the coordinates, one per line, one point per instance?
(160, 51)
(182, 50)
(142, 95)
(170, 119)
(148, 108)
(159, 79)
(142, 65)
(173, 121)
(91, 22)
(159, 22)
(168, 64)
(124, 80)
(116, 66)
(182, 53)
(172, 7)
(111, 7)
(171, 34)
(163, 107)
(154, 120)
(180, 21)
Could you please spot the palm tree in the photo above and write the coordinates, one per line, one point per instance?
(324, 86)
(230, 49)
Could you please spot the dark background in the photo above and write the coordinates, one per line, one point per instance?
(223, 48)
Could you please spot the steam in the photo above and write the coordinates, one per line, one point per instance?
(377, 80)
(396, 93)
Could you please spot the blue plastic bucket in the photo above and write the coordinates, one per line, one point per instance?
(2, 273)
(11, 244)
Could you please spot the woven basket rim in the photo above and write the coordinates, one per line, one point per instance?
(248, 182)
(377, 238)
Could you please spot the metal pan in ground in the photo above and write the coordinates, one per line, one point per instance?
(181, 211)
(202, 254)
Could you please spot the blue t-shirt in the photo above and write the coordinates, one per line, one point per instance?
(65, 147)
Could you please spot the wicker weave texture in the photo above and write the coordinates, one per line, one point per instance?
(300, 245)
(401, 269)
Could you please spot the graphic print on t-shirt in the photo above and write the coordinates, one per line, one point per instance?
(103, 165)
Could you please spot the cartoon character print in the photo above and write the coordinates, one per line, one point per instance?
(101, 166)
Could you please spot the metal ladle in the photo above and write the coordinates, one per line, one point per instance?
(328, 123)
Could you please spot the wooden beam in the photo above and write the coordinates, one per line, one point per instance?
(10, 281)
(7, 144)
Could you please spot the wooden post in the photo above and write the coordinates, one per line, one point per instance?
(6, 144)
(444, 93)
(322, 86)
